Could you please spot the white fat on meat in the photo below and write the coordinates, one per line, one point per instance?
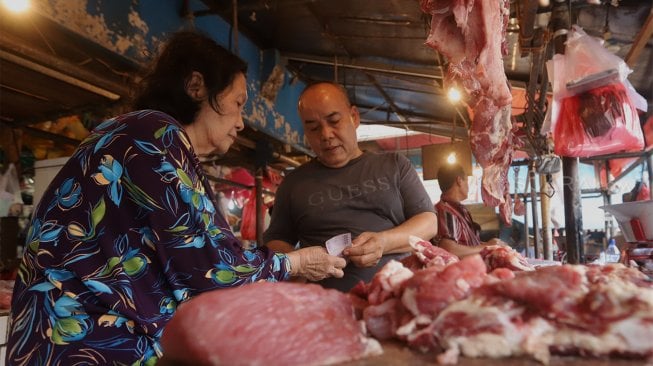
(499, 256)
(506, 339)
(462, 284)
(430, 255)
(635, 335)
(630, 333)
(411, 327)
(387, 282)
(372, 346)
(394, 274)
(408, 299)
(617, 318)
(629, 336)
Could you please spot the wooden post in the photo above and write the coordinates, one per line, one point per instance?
(545, 208)
(527, 239)
(536, 227)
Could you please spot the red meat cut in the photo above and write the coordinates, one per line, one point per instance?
(426, 254)
(267, 323)
(569, 310)
(501, 256)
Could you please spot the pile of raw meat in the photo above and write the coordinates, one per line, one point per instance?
(490, 305)
(496, 305)
(471, 35)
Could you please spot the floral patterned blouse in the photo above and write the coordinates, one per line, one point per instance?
(126, 232)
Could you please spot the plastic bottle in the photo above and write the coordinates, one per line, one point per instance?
(612, 253)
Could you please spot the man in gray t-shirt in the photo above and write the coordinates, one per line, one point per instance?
(378, 198)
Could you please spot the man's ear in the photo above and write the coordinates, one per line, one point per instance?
(459, 180)
(355, 116)
(195, 86)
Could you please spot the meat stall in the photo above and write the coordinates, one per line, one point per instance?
(429, 308)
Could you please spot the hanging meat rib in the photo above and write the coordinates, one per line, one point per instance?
(471, 34)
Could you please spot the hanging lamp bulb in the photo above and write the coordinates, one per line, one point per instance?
(16, 6)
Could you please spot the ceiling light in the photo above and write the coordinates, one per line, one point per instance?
(451, 159)
(17, 6)
(454, 95)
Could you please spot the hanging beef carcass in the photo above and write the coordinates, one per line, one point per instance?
(471, 34)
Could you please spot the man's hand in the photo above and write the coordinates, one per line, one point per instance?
(366, 250)
(314, 264)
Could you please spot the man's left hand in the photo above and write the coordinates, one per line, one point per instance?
(366, 250)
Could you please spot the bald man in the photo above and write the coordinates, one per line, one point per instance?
(378, 198)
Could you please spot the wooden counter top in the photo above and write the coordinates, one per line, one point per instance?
(396, 354)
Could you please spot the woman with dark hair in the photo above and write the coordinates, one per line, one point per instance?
(128, 229)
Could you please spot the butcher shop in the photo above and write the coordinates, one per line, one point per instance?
(326, 182)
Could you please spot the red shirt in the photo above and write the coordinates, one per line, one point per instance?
(455, 223)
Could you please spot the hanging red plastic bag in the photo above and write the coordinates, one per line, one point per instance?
(10, 194)
(599, 121)
(248, 223)
(594, 108)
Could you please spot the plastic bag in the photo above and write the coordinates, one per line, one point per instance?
(9, 190)
(599, 121)
(585, 57)
(248, 223)
(594, 108)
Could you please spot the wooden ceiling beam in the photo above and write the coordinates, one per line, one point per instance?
(60, 139)
(640, 42)
(15, 51)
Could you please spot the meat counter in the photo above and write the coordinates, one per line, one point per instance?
(397, 354)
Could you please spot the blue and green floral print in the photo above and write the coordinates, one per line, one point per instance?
(126, 232)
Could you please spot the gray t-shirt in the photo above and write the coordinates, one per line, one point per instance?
(374, 192)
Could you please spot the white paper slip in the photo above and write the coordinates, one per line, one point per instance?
(338, 243)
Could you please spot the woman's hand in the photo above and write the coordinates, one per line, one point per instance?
(314, 264)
